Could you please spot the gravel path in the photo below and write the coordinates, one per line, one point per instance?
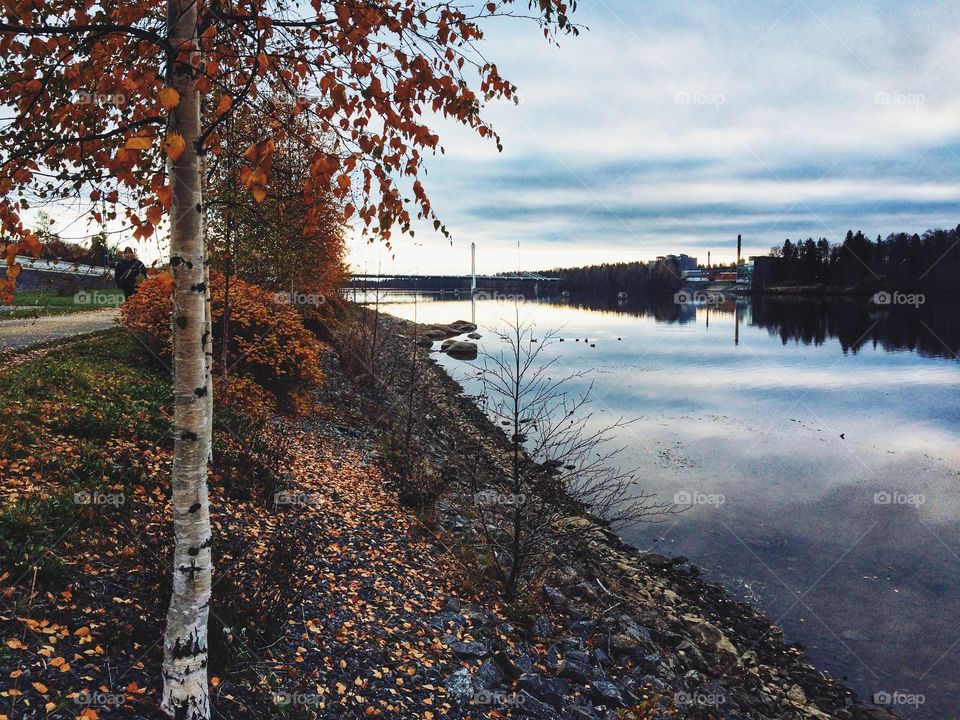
(22, 333)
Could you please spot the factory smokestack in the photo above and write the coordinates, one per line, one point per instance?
(738, 249)
(708, 258)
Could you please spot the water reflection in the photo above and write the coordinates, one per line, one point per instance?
(931, 329)
(800, 413)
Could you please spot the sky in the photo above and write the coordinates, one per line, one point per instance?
(672, 127)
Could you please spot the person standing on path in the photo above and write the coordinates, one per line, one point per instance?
(128, 271)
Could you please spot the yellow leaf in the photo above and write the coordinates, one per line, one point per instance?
(169, 98)
(138, 143)
(173, 145)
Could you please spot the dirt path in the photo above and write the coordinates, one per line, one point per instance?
(29, 331)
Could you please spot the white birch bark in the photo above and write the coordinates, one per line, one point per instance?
(185, 691)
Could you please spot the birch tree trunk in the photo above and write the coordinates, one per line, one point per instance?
(185, 694)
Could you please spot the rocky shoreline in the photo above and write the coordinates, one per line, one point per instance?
(616, 632)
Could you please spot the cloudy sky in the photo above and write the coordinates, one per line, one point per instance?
(672, 127)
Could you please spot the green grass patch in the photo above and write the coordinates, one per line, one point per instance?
(101, 387)
(26, 532)
(78, 422)
(29, 304)
(85, 299)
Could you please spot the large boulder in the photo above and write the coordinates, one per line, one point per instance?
(463, 326)
(460, 349)
(437, 333)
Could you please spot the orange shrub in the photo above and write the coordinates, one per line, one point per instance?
(242, 395)
(267, 339)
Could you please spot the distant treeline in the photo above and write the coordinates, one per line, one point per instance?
(928, 262)
(613, 278)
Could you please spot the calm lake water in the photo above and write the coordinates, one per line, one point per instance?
(817, 442)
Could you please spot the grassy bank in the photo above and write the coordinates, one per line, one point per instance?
(27, 304)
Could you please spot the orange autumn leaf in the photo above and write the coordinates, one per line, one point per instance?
(173, 145)
(259, 193)
(154, 214)
(138, 143)
(40, 687)
(169, 98)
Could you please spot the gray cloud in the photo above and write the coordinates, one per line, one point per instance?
(675, 127)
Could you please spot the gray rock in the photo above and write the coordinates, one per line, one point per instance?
(505, 664)
(474, 336)
(528, 706)
(604, 692)
(462, 326)
(477, 615)
(554, 597)
(460, 350)
(488, 675)
(452, 605)
(575, 666)
(554, 661)
(583, 627)
(469, 650)
(541, 628)
(459, 687)
(549, 690)
(524, 664)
